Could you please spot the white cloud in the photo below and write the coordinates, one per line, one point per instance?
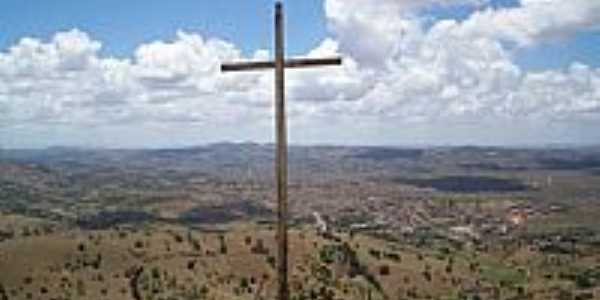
(370, 31)
(534, 21)
(400, 79)
(345, 83)
(66, 81)
(458, 70)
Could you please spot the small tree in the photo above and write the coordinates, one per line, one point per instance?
(244, 283)
(449, 268)
(427, 275)
(375, 253)
(138, 244)
(223, 244)
(3, 294)
(178, 238)
(26, 231)
(155, 273)
(271, 261)
(191, 265)
(384, 270)
(80, 287)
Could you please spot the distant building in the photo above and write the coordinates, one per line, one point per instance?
(321, 224)
(407, 230)
(467, 231)
(517, 217)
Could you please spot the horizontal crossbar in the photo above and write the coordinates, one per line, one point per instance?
(290, 63)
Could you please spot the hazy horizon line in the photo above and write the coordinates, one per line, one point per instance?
(390, 145)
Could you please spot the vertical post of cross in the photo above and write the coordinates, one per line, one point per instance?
(281, 156)
(281, 172)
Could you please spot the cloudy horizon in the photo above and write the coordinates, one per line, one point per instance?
(460, 72)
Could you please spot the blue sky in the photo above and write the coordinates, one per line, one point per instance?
(584, 47)
(123, 25)
(505, 72)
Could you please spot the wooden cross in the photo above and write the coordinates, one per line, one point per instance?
(280, 64)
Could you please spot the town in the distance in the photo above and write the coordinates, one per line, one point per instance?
(366, 222)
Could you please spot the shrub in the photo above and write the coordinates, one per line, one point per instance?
(375, 253)
(196, 245)
(327, 254)
(394, 257)
(178, 238)
(191, 265)
(139, 244)
(155, 273)
(259, 248)
(80, 287)
(244, 283)
(271, 261)
(384, 270)
(427, 275)
(223, 249)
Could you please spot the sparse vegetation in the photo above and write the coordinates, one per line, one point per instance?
(182, 233)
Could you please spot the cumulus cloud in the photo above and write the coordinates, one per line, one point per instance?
(66, 81)
(454, 70)
(398, 73)
(534, 21)
(380, 25)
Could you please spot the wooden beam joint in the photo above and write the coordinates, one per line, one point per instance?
(289, 64)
